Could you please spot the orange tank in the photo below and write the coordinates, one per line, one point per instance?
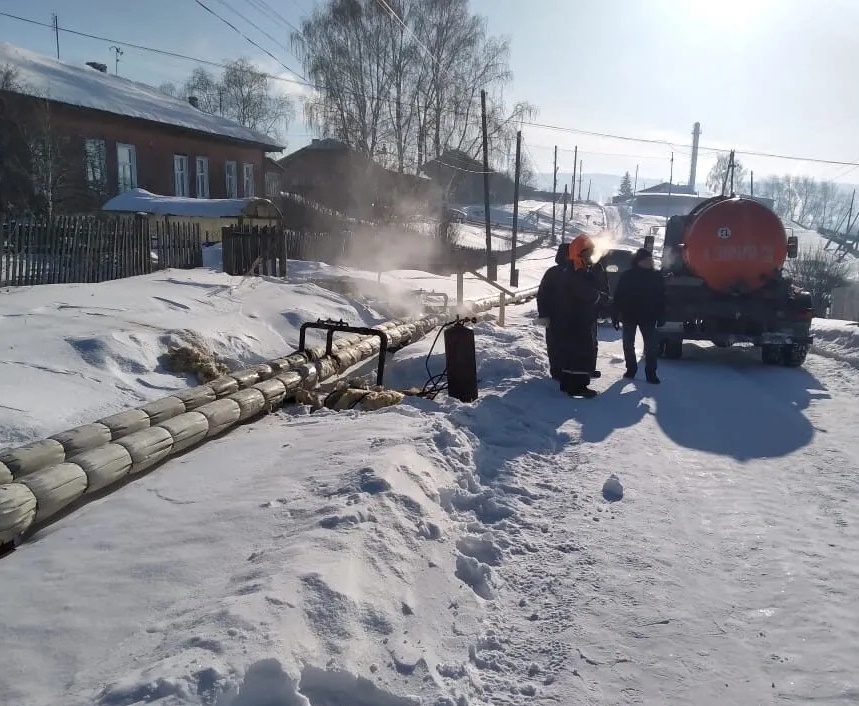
(734, 245)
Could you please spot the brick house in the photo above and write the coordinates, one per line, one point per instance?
(116, 134)
(331, 173)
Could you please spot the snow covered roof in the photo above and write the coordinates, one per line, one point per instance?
(40, 75)
(142, 201)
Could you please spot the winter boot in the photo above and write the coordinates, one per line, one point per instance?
(596, 374)
(585, 392)
(572, 383)
(653, 379)
(630, 374)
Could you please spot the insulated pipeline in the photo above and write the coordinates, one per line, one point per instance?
(41, 478)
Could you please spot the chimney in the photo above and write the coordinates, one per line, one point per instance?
(97, 66)
(696, 133)
(193, 100)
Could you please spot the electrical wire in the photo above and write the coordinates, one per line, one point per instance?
(246, 38)
(434, 383)
(306, 83)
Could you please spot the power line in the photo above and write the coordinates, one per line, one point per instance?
(245, 37)
(255, 26)
(268, 10)
(666, 143)
(304, 82)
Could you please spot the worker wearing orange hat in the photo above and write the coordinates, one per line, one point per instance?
(575, 310)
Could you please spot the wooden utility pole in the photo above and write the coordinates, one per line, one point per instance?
(588, 197)
(514, 273)
(573, 185)
(635, 184)
(564, 220)
(56, 23)
(580, 180)
(554, 192)
(491, 270)
(752, 188)
(670, 186)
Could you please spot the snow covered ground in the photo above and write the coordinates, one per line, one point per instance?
(435, 552)
(75, 353)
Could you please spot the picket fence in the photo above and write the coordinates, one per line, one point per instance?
(69, 249)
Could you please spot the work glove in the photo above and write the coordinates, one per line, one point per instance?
(616, 324)
(543, 321)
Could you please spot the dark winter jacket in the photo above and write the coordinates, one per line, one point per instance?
(579, 299)
(640, 296)
(548, 291)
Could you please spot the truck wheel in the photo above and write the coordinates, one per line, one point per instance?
(771, 354)
(793, 354)
(671, 348)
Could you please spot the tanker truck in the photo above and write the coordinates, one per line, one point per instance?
(724, 282)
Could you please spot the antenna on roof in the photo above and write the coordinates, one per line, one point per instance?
(119, 53)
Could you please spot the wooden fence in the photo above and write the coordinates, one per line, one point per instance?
(92, 249)
(265, 251)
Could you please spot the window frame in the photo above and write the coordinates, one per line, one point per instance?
(181, 159)
(231, 178)
(132, 152)
(95, 164)
(202, 176)
(248, 193)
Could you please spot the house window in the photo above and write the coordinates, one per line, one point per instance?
(272, 184)
(202, 177)
(95, 164)
(232, 181)
(248, 180)
(180, 175)
(126, 157)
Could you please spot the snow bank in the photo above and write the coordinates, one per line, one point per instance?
(79, 352)
(334, 558)
(836, 339)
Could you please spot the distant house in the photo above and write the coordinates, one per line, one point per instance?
(666, 187)
(331, 173)
(460, 177)
(115, 135)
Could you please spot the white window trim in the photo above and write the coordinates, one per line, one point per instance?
(248, 193)
(132, 151)
(182, 175)
(232, 184)
(202, 177)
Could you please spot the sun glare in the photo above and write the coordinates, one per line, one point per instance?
(728, 14)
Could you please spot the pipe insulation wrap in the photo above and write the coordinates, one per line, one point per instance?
(39, 479)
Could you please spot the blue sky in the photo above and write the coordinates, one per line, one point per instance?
(774, 76)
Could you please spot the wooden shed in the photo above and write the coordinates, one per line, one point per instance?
(211, 214)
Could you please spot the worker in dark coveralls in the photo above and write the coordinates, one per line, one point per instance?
(574, 312)
(546, 295)
(639, 304)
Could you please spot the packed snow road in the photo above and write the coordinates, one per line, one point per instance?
(727, 575)
(461, 555)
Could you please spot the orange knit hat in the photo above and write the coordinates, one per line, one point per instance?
(580, 245)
